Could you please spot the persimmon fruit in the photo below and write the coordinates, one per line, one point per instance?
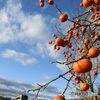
(93, 52)
(59, 98)
(82, 66)
(51, 2)
(83, 29)
(54, 36)
(97, 2)
(59, 41)
(87, 41)
(41, 4)
(92, 35)
(50, 42)
(87, 3)
(84, 86)
(81, 4)
(63, 17)
(41, 0)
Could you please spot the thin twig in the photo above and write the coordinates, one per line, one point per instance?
(67, 85)
(45, 85)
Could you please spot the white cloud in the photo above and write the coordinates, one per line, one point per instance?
(18, 56)
(62, 67)
(52, 53)
(16, 25)
(46, 77)
(3, 17)
(46, 51)
(10, 88)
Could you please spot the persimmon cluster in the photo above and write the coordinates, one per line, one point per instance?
(42, 2)
(88, 3)
(81, 38)
(80, 33)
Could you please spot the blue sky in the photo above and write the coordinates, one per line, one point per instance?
(25, 29)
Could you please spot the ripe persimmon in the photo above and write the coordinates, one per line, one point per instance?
(87, 41)
(93, 52)
(54, 36)
(59, 98)
(87, 3)
(83, 29)
(82, 66)
(41, 4)
(97, 2)
(63, 17)
(81, 4)
(59, 41)
(92, 35)
(51, 2)
(41, 0)
(50, 42)
(84, 86)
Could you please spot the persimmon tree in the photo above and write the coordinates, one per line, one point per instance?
(81, 47)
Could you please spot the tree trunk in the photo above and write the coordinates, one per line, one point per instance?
(95, 98)
(91, 87)
(92, 90)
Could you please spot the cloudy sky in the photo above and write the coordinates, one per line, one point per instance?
(25, 55)
(9, 88)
